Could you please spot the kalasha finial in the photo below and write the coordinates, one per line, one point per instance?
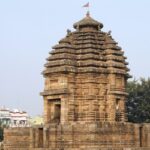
(109, 32)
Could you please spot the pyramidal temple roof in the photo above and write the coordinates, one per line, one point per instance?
(87, 50)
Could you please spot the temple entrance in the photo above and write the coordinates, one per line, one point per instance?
(54, 113)
(40, 138)
(57, 112)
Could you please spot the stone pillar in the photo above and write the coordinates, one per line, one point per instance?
(111, 98)
(137, 137)
(148, 137)
(62, 117)
(111, 108)
(145, 131)
(122, 110)
(46, 137)
(32, 138)
(36, 138)
(46, 111)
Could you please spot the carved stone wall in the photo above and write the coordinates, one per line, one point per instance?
(85, 97)
(106, 135)
(16, 139)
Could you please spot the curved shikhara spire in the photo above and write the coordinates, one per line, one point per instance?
(88, 49)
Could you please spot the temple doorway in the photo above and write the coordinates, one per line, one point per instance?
(54, 113)
(57, 112)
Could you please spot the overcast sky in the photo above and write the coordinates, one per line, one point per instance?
(29, 28)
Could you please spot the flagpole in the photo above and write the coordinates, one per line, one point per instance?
(88, 8)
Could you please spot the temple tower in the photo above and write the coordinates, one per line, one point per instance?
(85, 77)
(84, 97)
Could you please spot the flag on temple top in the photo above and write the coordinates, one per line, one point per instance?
(86, 5)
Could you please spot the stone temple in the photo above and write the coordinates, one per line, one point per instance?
(84, 97)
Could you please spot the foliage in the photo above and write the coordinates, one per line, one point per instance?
(1, 132)
(138, 101)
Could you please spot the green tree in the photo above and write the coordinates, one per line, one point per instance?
(1, 131)
(138, 101)
(1, 134)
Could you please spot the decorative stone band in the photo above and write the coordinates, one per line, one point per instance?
(55, 92)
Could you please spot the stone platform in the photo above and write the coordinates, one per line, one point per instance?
(89, 136)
